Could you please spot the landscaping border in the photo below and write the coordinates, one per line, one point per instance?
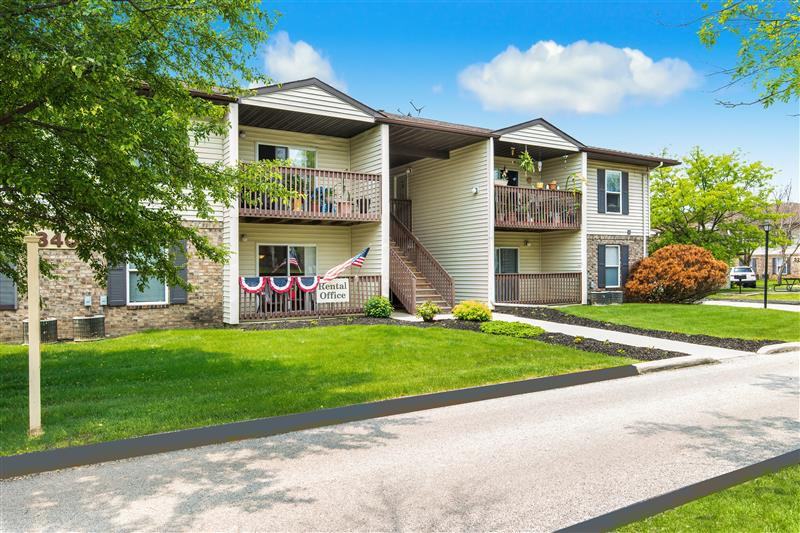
(676, 498)
(555, 315)
(59, 458)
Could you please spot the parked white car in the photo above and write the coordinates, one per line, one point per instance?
(744, 274)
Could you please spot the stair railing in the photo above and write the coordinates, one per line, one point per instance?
(402, 282)
(413, 249)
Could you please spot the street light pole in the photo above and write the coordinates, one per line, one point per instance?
(766, 226)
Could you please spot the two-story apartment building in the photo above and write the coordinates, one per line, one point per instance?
(445, 210)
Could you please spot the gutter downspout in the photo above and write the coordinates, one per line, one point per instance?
(646, 217)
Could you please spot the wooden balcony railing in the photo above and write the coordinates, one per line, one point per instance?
(543, 289)
(526, 208)
(430, 268)
(295, 303)
(333, 195)
(402, 282)
(402, 210)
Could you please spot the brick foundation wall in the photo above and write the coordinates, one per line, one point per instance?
(62, 298)
(635, 254)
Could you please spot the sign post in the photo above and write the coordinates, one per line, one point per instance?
(34, 339)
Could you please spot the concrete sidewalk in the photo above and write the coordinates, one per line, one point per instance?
(754, 305)
(631, 339)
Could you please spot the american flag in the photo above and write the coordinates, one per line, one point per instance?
(357, 261)
(293, 261)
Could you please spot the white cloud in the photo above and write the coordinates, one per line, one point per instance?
(285, 61)
(583, 77)
(437, 89)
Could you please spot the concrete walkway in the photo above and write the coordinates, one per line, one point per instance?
(754, 305)
(631, 339)
(533, 462)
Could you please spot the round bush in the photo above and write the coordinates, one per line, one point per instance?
(427, 310)
(512, 329)
(378, 307)
(679, 273)
(472, 311)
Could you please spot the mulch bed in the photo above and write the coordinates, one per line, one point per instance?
(579, 343)
(554, 315)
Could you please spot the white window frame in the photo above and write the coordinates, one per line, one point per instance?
(289, 148)
(128, 301)
(496, 248)
(618, 193)
(618, 266)
(310, 245)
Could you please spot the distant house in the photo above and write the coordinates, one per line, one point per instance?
(776, 262)
(445, 209)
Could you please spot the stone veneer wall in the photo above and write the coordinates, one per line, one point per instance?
(62, 298)
(635, 254)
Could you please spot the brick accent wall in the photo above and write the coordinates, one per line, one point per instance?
(62, 298)
(635, 254)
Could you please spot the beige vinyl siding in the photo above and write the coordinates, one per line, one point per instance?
(538, 135)
(364, 235)
(313, 100)
(332, 152)
(450, 220)
(561, 251)
(210, 149)
(616, 223)
(365, 152)
(333, 243)
(530, 257)
(552, 169)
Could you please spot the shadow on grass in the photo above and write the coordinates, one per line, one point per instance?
(740, 441)
(167, 492)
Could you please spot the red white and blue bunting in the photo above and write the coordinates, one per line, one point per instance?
(253, 284)
(281, 284)
(307, 283)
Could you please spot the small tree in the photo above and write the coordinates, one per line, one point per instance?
(678, 273)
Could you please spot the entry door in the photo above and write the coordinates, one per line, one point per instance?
(400, 187)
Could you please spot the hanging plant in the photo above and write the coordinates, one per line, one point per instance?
(526, 162)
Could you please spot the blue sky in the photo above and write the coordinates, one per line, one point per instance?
(386, 54)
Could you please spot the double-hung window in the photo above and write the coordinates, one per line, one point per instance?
(506, 261)
(613, 191)
(612, 266)
(287, 260)
(154, 291)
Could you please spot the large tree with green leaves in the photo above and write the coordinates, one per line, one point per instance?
(98, 111)
(769, 50)
(713, 201)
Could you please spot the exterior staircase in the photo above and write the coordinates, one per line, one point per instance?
(415, 275)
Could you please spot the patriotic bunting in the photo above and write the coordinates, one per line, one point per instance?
(281, 284)
(307, 283)
(253, 284)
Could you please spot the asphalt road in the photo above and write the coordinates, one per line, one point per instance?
(535, 462)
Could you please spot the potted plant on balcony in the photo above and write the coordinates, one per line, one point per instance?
(553, 185)
(345, 207)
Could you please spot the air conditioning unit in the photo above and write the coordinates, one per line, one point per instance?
(48, 333)
(89, 327)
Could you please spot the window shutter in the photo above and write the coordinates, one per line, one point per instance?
(601, 266)
(788, 266)
(774, 265)
(177, 294)
(623, 264)
(8, 293)
(601, 190)
(624, 193)
(115, 286)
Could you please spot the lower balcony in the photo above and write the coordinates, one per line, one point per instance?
(526, 209)
(323, 197)
(547, 288)
(269, 305)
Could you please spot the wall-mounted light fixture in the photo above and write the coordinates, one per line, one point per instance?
(527, 244)
(242, 134)
(408, 171)
(243, 237)
(474, 190)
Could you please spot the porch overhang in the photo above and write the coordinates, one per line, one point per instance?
(539, 153)
(259, 116)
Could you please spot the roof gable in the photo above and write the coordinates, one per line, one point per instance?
(539, 132)
(311, 96)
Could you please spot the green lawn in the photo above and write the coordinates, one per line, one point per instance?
(166, 380)
(757, 294)
(718, 321)
(769, 503)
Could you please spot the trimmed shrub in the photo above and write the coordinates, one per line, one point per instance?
(679, 273)
(511, 329)
(378, 307)
(427, 311)
(472, 311)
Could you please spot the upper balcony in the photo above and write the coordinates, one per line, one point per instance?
(324, 197)
(528, 209)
